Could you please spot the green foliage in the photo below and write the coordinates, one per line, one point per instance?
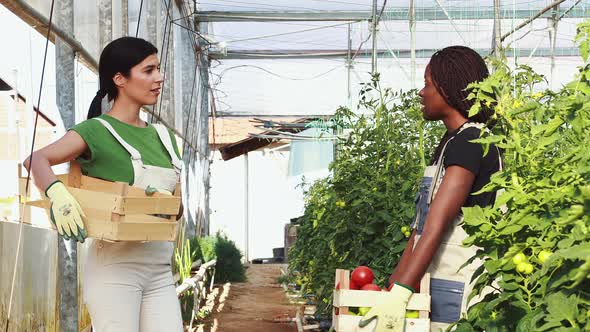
(183, 264)
(545, 188)
(229, 258)
(355, 216)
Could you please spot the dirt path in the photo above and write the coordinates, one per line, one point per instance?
(252, 306)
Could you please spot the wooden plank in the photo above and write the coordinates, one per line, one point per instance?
(22, 183)
(130, 228)
(136, 218)
(120, 189)
(98, 200)
(349, 323)
(150, 205)
(358, 298)
(44, 204)
(342, 281)
(424, 289)
(75, 175)
(129, 231)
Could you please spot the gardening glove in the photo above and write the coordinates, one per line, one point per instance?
(390, 312)
(66, 213)
(149, 191)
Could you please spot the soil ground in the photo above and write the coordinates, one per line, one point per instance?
(253, 305)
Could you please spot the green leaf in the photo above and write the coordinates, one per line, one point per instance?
(561, 307)
(510, 229)
(473, 216)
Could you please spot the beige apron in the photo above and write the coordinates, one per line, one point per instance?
(156, 252)
(450, 284)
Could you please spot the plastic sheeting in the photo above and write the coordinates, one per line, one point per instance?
(308, 155)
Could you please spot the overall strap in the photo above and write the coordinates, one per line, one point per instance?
(165, 139)
(135, 155)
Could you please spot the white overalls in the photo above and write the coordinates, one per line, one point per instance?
(128, 286)
(449, 285)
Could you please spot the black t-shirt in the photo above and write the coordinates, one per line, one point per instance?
(461, 152)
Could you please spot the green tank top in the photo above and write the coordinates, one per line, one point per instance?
(107, 159)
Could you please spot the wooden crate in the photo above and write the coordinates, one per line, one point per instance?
(116, 211)
(344, 297)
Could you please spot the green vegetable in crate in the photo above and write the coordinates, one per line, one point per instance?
(363, 310)
(412, 314)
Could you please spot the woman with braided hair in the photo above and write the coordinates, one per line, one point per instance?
(127, 286)
(458, 169)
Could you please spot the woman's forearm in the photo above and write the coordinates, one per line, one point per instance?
(404, 261)
(40, 169)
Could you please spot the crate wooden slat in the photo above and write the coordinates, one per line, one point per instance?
(344, 298)
(116, 211)
(359, 298)
(349, 323)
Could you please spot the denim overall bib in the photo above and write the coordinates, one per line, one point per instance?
(449, 284)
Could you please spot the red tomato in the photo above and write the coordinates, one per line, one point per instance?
(338, 286)
(362, 275)
(353, 285)
(371, 287)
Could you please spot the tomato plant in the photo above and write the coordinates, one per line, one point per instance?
(543, 210)
(376, 174)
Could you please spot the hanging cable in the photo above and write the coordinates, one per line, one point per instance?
(139, 18)
(23, 200)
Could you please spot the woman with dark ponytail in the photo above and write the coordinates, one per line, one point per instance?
(127, 286)
(458, 170)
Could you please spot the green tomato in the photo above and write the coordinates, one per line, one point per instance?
(405, 229)
(543, 255)
(521, 267)
(412, 314)
(363, 310)
(528, 268)
(407, 234)
(519, 258)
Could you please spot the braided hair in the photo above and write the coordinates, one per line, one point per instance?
(453, 69)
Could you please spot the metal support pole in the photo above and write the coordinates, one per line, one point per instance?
(412, 43)
(105, 34)
(125, 18)
(151, 20)
(246, 209)
(67, 252)
(188, 75)
(349, 66)
(553, 21)
(105, 22)
(496, 41)
(374, 36)
(203, 132)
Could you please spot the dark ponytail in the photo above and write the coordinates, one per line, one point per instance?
(119, 56)
(453, 69)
